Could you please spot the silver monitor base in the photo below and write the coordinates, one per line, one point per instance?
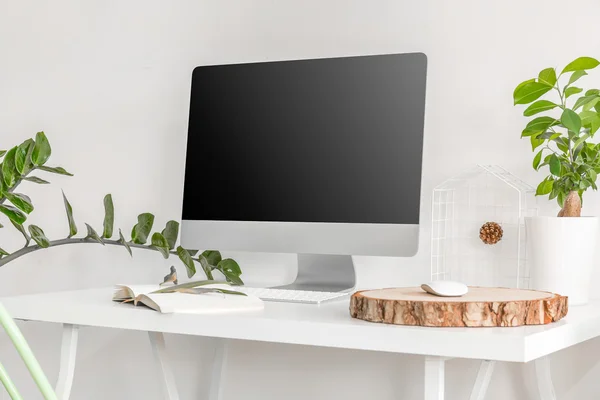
(324, 273)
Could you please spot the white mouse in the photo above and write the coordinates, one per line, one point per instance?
(445, 288)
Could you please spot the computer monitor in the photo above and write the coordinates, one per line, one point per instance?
(318, 157)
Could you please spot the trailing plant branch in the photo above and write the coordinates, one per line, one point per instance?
(61, 242)
(31, 155)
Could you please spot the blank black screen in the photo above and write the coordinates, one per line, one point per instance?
(325, 140)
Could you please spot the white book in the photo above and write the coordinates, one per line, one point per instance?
(187, 303)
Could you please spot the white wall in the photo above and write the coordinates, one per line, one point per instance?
(109, 83)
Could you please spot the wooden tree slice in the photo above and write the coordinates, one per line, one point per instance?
(480, 307)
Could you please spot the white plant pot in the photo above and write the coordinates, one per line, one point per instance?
(561, 253)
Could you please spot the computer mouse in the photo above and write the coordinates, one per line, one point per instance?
(446, 288)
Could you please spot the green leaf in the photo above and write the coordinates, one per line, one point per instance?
(2, 153)
(535, 142)
(22, 156)
(21, 229)
(548, 135)
(55, 170)
(575, 76)
(538, 107)
(141, 230)
(160, 243)
(537, 160)
(590, 104)
(547, 76)
(21, 201)
(92, 234)
(582, 63)
(592, 91)
(554, 165)
(187, 260)
(520, 85)
(41, 149)
(541, 124)
(38, 236)
(189, 285)
(560, 199)
(70, 219)
(580, 141)
(526, 133)
(587, 117)
(571, 91)
(124, 243)
(592, 175)
(13, 213)
(171, 232)
(530, 92)
(35, 179)
(545, 187)
(231, 270)
(3, 252)
(109, 216)
(206, 267)
(571, 120)
(213, 257)
(9, 171)
(583, 100)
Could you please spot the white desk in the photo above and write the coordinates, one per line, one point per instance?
(328, 325)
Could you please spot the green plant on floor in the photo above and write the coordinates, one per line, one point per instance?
(17, 166)
(561, 132)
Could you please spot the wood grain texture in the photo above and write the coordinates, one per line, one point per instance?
(481, 307)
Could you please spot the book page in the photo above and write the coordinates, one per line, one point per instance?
(139, 289)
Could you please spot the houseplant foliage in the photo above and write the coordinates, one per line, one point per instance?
(565, 118)
(27, 162)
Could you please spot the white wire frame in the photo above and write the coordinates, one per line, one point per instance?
(460, 206)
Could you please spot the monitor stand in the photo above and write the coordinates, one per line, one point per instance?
(324, 273)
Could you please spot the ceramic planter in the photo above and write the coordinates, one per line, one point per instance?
(562, 255)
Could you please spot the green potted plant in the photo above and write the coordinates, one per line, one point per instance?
(564, 119)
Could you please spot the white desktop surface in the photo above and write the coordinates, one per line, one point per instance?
(327, 325)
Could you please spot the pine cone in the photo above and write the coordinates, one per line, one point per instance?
(490, 233)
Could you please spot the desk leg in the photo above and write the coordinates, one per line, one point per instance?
(218, 369)
(434, 378)
(157, 341)
(68, 353)
(544, 379)
(486, 369)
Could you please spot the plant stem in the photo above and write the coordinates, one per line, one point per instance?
(61, 242)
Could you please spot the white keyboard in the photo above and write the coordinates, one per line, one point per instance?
(292, 296)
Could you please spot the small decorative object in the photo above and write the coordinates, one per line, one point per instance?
(18, 165)
(171, 277)
(561, 133)
(490, 233)
(461, 248)
(479, 307)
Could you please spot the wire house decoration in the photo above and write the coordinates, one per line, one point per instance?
(460, 206)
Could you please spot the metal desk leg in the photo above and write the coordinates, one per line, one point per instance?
(486, 369)
(218, 369)
(68, 352)
(544, 379)
(434, 378)
(157, 341)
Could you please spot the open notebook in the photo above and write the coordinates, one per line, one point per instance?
(186, 303)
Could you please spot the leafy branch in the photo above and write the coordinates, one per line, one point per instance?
(573, 161)
(31, 155)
